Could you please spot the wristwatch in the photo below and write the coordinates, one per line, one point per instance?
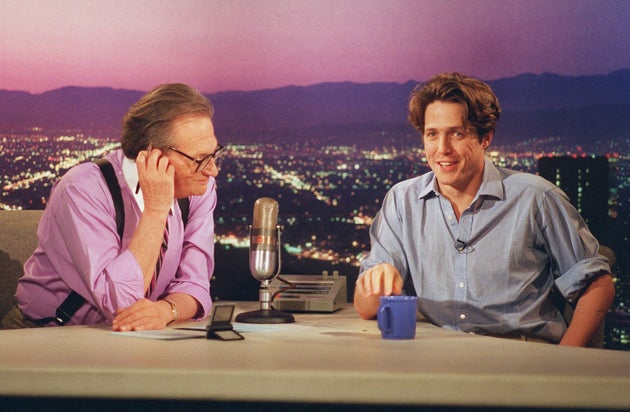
(173, 309)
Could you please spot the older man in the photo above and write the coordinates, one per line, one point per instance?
(159, 271)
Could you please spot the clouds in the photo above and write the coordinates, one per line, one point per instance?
(248, 44)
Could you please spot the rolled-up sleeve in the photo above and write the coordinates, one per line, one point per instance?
(80, 250)
(83, 247)
(572, 247)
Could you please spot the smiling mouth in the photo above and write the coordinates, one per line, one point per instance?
(446, 164)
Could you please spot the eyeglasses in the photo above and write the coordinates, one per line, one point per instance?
(203, 162)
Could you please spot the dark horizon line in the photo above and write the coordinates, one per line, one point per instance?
(71, 86)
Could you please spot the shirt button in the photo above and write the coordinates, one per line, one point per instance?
(462, 316)
(450, 217)
(461, 284)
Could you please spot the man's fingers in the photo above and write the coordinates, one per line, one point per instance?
(398, 285)
(134, 316)
(380, 280)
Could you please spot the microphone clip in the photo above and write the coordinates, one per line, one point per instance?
(462, 247)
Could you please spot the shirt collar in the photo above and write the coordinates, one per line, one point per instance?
(491, 184)
(130, 173)
(429, 186)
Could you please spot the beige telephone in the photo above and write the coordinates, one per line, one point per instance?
(309, 293)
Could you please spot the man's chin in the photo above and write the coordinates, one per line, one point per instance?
(199, 190)
(193, 191)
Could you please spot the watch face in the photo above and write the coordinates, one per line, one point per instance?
(222, 313)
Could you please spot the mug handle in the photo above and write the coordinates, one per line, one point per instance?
(383, 318)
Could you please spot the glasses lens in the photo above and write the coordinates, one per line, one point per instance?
(218, 153)
(206, 160)
(204, 163)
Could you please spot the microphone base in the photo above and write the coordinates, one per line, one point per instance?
(265, 316)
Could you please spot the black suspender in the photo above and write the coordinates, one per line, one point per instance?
(114, 188)
(74, 301)
(184, 207)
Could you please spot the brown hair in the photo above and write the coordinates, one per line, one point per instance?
(149, 120)
(481, 106)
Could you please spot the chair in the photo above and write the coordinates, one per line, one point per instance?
(18, 239)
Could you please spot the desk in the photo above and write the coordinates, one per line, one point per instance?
(322, 358)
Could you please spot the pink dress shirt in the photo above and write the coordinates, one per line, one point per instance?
(79, 249)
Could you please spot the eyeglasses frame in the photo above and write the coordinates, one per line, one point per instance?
(205, 161)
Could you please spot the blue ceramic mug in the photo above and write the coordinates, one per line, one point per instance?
(396, 317)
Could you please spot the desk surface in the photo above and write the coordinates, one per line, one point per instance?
(335, 358)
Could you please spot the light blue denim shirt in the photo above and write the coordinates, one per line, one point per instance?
(519, 236)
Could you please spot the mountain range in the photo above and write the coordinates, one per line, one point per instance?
(579, 109)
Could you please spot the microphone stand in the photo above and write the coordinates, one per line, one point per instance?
(266, 313)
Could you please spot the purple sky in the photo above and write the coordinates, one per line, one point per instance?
(217, 45)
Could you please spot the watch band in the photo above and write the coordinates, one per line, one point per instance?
(173, 309)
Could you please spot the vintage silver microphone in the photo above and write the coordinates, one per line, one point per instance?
(265, 261)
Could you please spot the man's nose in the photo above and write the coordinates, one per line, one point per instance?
(211, 169)
(444, 144)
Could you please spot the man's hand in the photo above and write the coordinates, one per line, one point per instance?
(143, 315)
(156, 177)
(380, 280)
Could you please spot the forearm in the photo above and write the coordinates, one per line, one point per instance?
(590, 311)
(146, 314)
(146, 242)
(185, 306)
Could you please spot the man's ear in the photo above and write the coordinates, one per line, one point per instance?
(487, 140)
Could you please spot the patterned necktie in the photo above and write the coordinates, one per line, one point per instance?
(160, 259)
